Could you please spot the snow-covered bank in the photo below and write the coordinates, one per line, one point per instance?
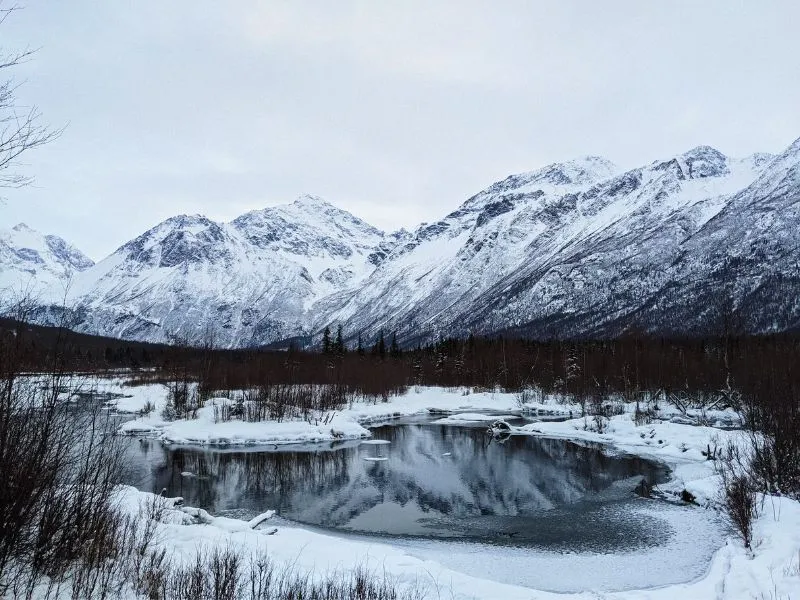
(206, 430)
(772, 572)
(133, 399)
(682, 447)
(345, 424)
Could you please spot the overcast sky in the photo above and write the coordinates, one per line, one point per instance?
(396, 111)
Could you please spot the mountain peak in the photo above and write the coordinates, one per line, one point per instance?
(27, 256)
(312, 205)
(557, 178)
(307, 210)
(23, 227)
(580, 171)
(311, 201)
(321, 214)
(166, 232)
(189, 220)
(703, 150)
(591, 163)
(698, 163)
(48, 247)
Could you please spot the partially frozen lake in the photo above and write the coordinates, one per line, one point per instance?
(423, 480)
(520, 510)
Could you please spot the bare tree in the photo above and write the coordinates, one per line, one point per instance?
(21, 128)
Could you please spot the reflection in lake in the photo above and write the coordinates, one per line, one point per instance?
(429, 480)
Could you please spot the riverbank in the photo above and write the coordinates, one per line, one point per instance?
(346, 424)
(351, 422)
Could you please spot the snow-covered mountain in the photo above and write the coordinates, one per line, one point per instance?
(573, 249)
(741, 270)
(247, 282)
(695, 242)
(37, 265)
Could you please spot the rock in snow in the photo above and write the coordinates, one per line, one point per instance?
(681, 245)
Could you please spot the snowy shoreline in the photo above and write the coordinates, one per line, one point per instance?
(773, 568)
(347, 424)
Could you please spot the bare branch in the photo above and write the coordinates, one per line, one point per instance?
(5, 12)
(20, 130)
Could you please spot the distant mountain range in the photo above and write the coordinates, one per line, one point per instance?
(699, 243)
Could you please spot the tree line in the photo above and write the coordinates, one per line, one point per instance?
(750, 364)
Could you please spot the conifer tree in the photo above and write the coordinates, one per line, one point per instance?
(339, 347)
(380, 347)
(416, 367)
(394, 349)
(360, 348)
(439, 360)
(326, 340)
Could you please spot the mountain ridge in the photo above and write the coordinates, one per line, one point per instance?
(571, 249)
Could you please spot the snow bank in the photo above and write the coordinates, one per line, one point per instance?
(772, 572)
(335, 425)
(135, 398)
(471, 418)
(682, 447)
(304, 550)
(205, 430)
(456, 405)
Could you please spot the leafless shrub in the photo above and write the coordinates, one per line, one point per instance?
(739, 491)
(59, 469)
(529, 395)
(280, 402)
(600, 405)
(225, 574)
(147, 409)
(793, 568)
(773, 418)
(21, 129)
(179, 398)
(644, 413)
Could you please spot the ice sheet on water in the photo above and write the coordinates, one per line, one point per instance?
(683, 557)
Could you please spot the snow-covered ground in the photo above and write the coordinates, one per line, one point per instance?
(348, 423)
(455, 570)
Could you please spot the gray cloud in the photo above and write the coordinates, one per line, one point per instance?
(395, 111)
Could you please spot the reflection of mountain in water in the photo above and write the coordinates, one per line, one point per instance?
(417, 490)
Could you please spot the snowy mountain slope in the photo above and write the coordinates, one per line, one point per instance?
(741, 271)
(41, 265)
(241, 283)
(568, 254)
(692, 243)
(456, 258)
(605, 267)
(331, 244)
